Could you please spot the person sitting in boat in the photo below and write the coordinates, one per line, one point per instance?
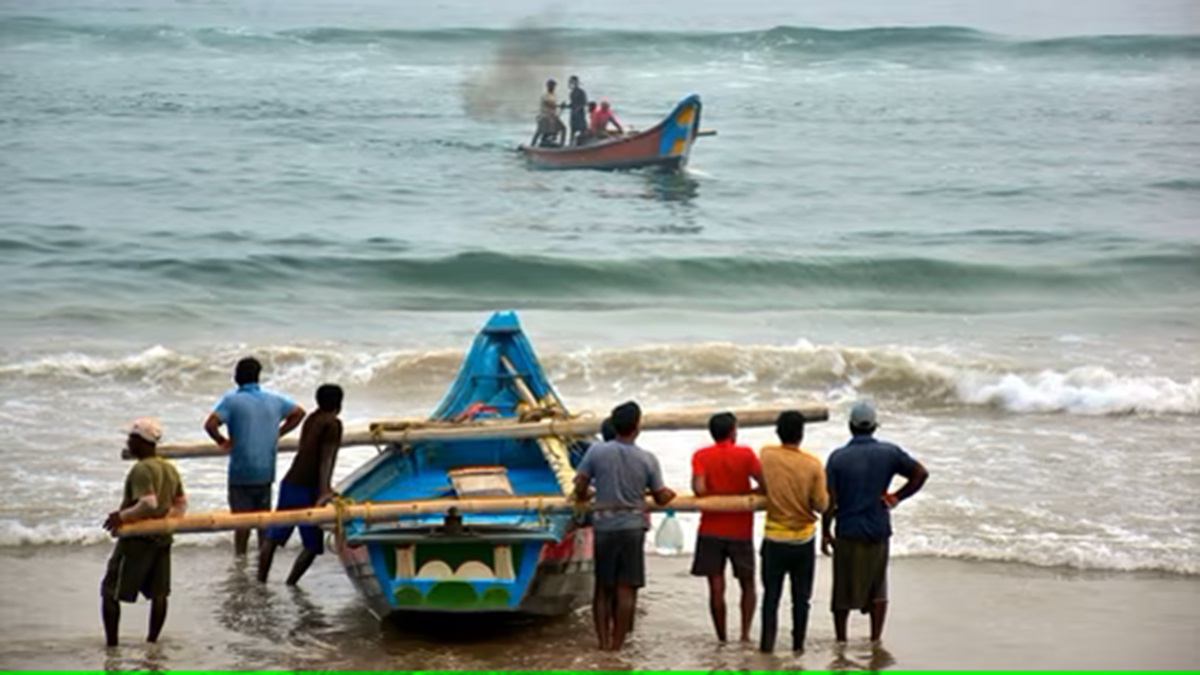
(586, 136)
(550, 131)
(602, 118)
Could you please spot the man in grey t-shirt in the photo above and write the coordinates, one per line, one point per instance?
(622, 473)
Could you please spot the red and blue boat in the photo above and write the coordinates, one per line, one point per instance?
(666, 146)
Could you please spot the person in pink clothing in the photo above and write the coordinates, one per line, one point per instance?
(601, 118)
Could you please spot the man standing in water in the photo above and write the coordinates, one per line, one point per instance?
(796, 494)
(622, 473)
(577, 102)
(309, 482)
(256, 419)
(858, 476)
(725, 468)
(142, 564)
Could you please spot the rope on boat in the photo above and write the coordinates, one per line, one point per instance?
(339, 526)
(377, 436)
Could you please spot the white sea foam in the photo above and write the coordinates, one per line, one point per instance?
(17, 534)
(1041, 549)
(1044, 549)
(1052, 550)
(971, 510)
(906, 377)
(1088, 390)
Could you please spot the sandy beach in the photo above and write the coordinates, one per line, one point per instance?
(945, 614)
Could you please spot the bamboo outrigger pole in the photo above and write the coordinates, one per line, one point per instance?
(411, 430)
(216, 521)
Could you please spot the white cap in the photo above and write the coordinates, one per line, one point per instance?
(862, 415)
(147, 428)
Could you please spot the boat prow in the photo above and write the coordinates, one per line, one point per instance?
(666, 146)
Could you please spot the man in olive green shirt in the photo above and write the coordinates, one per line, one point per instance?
(142, 564)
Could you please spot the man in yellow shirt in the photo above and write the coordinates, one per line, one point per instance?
(796, 495)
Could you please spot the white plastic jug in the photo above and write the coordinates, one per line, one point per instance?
(669, 538)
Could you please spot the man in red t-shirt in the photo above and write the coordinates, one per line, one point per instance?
(725, 468)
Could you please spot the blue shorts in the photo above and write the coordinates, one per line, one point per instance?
(297, 497)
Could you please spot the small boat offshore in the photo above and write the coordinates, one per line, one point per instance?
(665, 146)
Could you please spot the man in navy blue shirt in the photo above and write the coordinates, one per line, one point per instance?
(858, 475)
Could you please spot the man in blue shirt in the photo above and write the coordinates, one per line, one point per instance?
(622, 473)
(255, 419)
(858, 476)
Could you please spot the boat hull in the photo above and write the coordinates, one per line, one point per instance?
(562, 581)
(666, 146)
(525, 561)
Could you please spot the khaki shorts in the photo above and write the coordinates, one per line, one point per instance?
(138, 565)
(859, 574)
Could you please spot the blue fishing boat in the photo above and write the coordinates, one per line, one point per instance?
(528, 562)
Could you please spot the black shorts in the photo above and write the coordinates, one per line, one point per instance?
(711, 553)
(249, 498)
(621, 557)
(859, 574)
(138, 565)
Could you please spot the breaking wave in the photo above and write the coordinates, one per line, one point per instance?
(916, 379)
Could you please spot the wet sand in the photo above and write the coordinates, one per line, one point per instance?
(944, 614)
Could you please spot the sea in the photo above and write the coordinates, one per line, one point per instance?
(983, 218)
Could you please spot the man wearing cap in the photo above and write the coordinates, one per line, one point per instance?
(142, 564)
(858, 476)
(255, 419)
(550, 128)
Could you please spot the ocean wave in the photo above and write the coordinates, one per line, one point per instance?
(1048, 550)
(15, 534)
(779, 39)
(483, 280)
(1180, 184)
(911, 379)
(920, 540)
(906, 379)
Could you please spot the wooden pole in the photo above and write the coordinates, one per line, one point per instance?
(411, 431)
(217, 521)
(554, 450)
